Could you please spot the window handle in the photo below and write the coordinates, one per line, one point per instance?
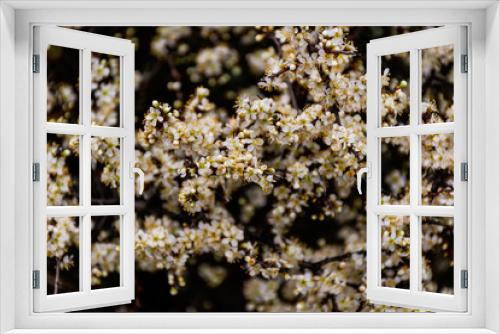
(359, 176)
(138, 171)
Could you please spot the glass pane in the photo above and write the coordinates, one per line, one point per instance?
(395, 170)
(437, 254)
(63, 169)
(105, 173)
(105, 89)
(395, 252)
(105, 252)
(437, 169)
(395, 89)
(437, 84)
(63, 239)
(63, 73)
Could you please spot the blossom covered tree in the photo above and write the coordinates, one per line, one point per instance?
(250, 139)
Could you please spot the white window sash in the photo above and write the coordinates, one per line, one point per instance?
(87, 43)
(414, 297)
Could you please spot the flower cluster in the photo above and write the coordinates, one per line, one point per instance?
(437, 168)
(61, 102)
(62, 234)
(105, 251)
(106, 151)
(62, 184)
(395, 244)
(162, 243)
(212, 154)
(105, 90)
(167, 39)
(214, 64)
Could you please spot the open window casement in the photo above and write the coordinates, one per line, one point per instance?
(83, 170)
(416, 168)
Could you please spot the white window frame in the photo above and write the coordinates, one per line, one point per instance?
(85, 43)
(413, 43)
(16, 216)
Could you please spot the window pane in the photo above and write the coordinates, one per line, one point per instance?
(395, 252)
(63, 169)
(63, 240)
(395, 170)
(395, 89)
(105, 173)
(437, 254)
(63, 73)
(105, 89)
(105, 252)
(437, 169)
(437, 84)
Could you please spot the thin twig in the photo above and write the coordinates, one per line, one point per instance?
(289, 86)
(56, 279)
(174, 72)
(320, 263)
(345, 52)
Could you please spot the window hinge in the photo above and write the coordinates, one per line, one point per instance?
(464, 171)
(464, 281)
(36, 63)
(465, 63)
(36, 172)
(36, 279)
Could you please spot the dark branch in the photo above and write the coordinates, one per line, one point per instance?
(318, 264)
(289, 86)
